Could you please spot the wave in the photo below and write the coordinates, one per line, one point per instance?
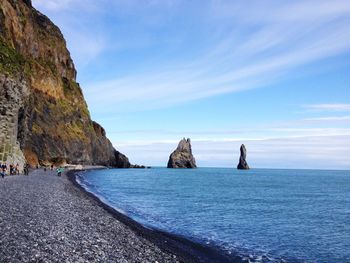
(150, 222)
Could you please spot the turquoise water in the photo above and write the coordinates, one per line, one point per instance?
(264, 215)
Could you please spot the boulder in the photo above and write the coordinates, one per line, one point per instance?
(182, 157)
(243, 165)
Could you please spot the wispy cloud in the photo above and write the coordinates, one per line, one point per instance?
(84, 48)
(51, 4)
(340, 119)
(247, 51)
(245, 133)
(54, 4)
(304, 143)
(63, 5)
(231, 46)
(329, 152)
(182, 51)
(340, 107)
(85, 39)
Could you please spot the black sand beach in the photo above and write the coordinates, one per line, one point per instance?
(45, 218)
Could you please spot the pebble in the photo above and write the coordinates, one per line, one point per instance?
(45, 218)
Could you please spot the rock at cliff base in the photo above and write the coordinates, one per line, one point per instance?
(121, 160)
(243, 165)
(182, 157)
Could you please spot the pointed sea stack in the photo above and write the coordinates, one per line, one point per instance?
(243, 165)
(182, 157)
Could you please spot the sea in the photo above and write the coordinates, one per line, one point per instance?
(262, 215)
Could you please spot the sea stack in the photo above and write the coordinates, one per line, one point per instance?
(243, 165)
(182, 157)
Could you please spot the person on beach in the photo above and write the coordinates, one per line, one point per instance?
(26, 169)
(12, 169)
(17, 169)
(3, 169)
(59, 171)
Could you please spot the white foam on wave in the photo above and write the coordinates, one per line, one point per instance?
(85, 184)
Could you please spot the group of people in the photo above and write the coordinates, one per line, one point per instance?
(10, 169)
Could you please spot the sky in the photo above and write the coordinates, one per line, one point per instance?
(273, 75)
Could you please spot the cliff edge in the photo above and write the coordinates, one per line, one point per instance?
(44, 118)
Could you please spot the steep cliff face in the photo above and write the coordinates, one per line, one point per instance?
(50, 122)
(11, 99)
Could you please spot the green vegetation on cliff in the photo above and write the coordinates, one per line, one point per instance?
(53, 118)
(14, 63)
(11, 62)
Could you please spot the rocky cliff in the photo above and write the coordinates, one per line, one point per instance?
(44, 117)
(243, 165)
(182, 157)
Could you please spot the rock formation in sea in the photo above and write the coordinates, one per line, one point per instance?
(182, 157)
(243, 165)
(44, 118)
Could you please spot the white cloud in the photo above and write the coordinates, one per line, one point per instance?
(279, 145)
(235, 61)
(321, 152)
(340, 119)
(303, 143)
(252, 44)
(75, 18)
(84, 49)
(64, 5)
(328, 107)
(52, 4)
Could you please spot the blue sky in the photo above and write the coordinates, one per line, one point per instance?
(271, 74)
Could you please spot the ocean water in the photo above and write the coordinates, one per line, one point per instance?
(261, 214)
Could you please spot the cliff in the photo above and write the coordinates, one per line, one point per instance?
(44, 116)
(182, 157)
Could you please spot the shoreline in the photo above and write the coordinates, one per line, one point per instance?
(185, 249)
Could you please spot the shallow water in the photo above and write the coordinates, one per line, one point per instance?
(264, 215)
